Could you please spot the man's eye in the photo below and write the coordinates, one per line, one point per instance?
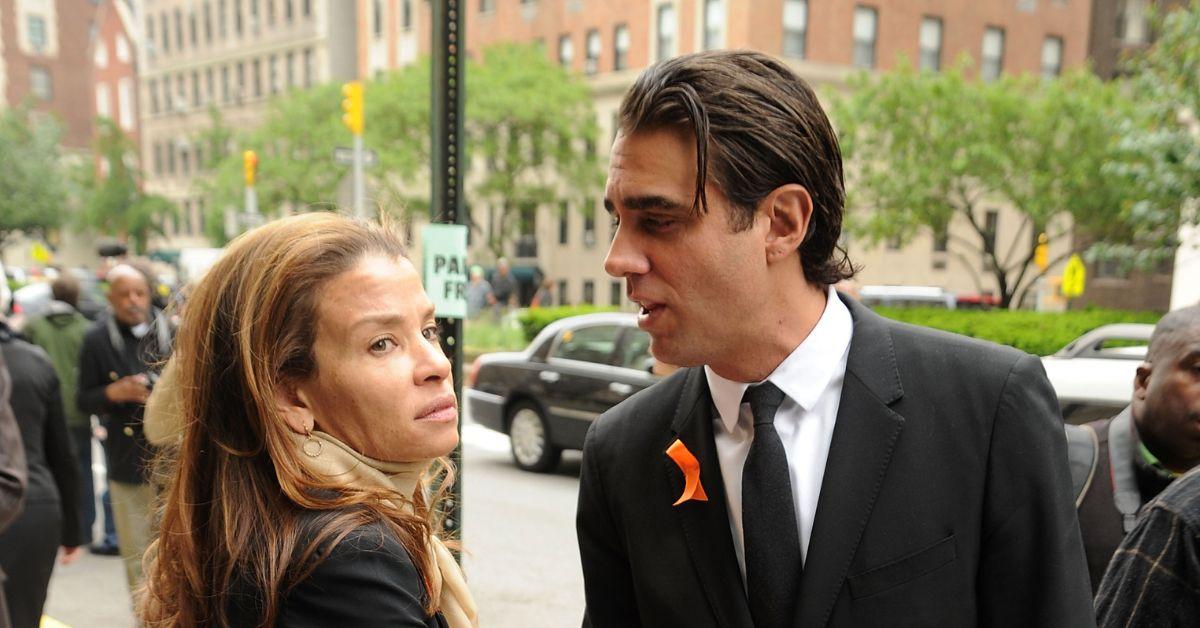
(432, 333)
(657, 224)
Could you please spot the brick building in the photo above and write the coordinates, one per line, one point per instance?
(114, 69)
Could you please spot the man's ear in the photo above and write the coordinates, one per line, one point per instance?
(1141, 381)
(290, 403)
(788, 209)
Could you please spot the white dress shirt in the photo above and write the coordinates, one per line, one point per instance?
(811, 378)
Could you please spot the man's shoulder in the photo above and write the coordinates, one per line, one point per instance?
(647, 412)
(1182, 500)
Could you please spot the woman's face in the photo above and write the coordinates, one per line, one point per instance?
(383, 385)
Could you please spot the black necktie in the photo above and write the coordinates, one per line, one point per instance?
(773, 559)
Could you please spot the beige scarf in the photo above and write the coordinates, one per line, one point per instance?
(338, 463)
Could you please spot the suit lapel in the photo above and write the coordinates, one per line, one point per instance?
(706, 524)
(864, 435)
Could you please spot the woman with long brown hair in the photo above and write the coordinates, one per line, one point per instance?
(316, 409)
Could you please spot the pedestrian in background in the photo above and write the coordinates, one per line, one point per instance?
(316, 410)
(504, 290)
(479, 292)
(544, 297)
(59, 331)
(1122, 463)
(118, 364)
(13, 470)
(50, 519)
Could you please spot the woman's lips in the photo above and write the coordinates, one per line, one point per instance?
(442, 409)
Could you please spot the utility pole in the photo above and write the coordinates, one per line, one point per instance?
(449, 43)
(352, 104)
(250, 166)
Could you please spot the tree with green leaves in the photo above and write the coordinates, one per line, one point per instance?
(34, 184)
(528, 122)
(114, 202)
(927, 150)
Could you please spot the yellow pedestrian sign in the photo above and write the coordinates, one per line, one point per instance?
(41, 254)
(1074, 277)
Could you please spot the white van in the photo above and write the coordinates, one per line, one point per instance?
(907, 296)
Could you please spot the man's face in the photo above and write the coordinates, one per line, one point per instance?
(383, 385)
(1166, 401)
(697, 281)
(130, 300)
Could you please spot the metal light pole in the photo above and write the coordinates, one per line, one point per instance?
(250, 166)
(352, 104)
(449, 44)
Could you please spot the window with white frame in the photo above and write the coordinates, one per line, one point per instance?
(566, 51)
(39, 40)
(103, 101)
(621, 47)
(40, 83)
(1052, 52)
(100, 55)
(866, 32)
(666, 26)
(125, 108)
(592, 62)
(992, 57)
(931, 44)
(714, 24)
(795, 28)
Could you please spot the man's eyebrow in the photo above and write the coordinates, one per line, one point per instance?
(649, 201)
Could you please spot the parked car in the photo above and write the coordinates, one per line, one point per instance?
(907, 296)
(33, 299)
(1093, 375)
(546, 396)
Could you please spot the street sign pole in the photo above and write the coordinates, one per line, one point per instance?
(446, 196)
(251, 200)
(359, 193)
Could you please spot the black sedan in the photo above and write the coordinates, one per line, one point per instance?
(546, 396)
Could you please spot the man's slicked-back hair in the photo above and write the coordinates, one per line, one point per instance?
(1174, 325)
(757, 126)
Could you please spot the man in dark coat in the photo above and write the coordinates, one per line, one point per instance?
(815, 464)
(1135, 455)
(13, 471)
(117, 367)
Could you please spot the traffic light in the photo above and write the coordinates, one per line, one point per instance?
(352, 104)
(1041, 254)
(250, 165)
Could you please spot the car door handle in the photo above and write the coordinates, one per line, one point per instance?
(620, 389)
(549, 376)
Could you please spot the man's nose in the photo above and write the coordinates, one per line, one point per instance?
(625, 256)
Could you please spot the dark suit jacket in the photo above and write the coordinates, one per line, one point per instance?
(946, 499)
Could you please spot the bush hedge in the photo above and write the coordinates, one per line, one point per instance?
(534, 320)
(1039, 333)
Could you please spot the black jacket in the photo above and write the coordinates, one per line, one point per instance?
(368, 579)
(37, 405)
(946, 499)
(13, 470)
(101, 362)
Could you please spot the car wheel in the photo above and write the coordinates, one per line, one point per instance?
(530, 439)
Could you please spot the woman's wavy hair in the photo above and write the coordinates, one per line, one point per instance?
(235, 490)
(757, 126)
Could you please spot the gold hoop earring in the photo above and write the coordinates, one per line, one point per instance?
(312, 447)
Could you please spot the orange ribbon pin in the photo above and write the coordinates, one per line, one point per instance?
(687, 463)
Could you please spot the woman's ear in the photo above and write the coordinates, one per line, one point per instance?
(788, 209)
(296, 413)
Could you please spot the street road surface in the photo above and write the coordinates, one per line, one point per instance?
(522, 562)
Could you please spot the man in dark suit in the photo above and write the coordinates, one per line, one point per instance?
(815, 464)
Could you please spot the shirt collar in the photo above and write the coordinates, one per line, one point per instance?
(804, 374)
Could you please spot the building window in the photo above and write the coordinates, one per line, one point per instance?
(795, 28)
(1052, 50)
(406, 14)
(620, 47)
(931, 44)
(487, 6)
(181, 88)
(288, 11)
(562, 292)
(666, 26)
(941, 240)
(150, 35)
(993, 53)
(225, 92)
(238, 24)
(158, 158)
(377, 18)
(614, 293)
(256, 76)
(309, 68)
(241, 80)
(196, 88)
(37, 33)
(40, 83)
(152, 93)
(210, 91)
(290, 68)
(273, 74)
(589, 292)
(991, 225)
(103, 101)
(589, 228)
(566, 51)
(564, 214)
(307, 8)
(866, 31)
(124, 55)
(208, 29)
(168, 95)
(165, 32)
(178, 30)
(270, 12)
(125, 108)
(193, 31)
(592, 63)
(714, 24)
(170, 148)
(222, 20)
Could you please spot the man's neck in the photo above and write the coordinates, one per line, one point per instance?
(775, 333)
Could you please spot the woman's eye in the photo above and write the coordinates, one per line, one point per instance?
(382, 344)
(432, 333)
